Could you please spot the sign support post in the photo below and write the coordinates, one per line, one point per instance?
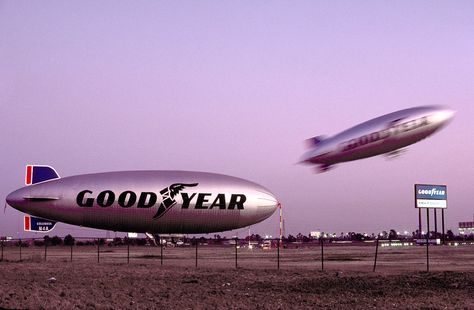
(419, 223)
(427, 240)
(442, 226)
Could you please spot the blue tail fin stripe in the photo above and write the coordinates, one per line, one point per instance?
(43, 173)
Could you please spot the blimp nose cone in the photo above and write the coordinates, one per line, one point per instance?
(268, 204)
(305, 158)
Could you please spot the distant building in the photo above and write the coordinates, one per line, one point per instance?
(466, 228)
(315, 234)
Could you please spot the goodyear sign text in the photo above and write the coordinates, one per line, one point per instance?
(431, 196)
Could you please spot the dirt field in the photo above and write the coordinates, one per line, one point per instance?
(400, 281)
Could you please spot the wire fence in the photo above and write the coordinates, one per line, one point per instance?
(239, 253)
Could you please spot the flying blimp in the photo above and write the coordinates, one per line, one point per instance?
(387, 134)
(153, 202)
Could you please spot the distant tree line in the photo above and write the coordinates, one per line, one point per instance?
(391, 234)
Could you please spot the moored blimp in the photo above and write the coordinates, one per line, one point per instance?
(152, 202)
(387, 134)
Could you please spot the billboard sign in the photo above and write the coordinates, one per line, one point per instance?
(431, 196)
(466, 224)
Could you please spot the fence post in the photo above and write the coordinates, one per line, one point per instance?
(376, 252)
(161, 249)
(321, 242)
(236, 240)
(98, 250)
(20, 249)
(197, 242)
(278, 254)
(128, 252)
(45, 249)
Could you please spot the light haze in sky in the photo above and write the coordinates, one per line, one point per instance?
(235, 87)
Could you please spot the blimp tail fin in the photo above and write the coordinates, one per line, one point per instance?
(314, 141)
(39, 173)
(37, 224)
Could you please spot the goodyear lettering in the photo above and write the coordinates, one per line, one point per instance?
(187, 199)
(81, 202)
(219, 202)
(432, 192)
(105, 198)
(201, 200)
(147, 200)
(384, 134)
(237, 201)
(128, 199)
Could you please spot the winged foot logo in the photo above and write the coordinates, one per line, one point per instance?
(127, 199)
(168, 195)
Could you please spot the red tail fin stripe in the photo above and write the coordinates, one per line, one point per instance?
(27, 223)
(29, 175)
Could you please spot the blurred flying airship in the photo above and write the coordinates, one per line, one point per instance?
(152, 202)
(387, 134)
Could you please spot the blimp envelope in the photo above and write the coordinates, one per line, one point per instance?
(148, 201)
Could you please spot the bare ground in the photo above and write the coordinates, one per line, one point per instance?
(216, 283)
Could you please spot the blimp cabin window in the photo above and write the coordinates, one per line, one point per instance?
(396, 121)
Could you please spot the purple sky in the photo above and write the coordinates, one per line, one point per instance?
(235, 87)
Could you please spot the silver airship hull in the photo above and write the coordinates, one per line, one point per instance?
(382, 135)
(148, 201)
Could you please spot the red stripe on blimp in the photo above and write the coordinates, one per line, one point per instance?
(27, 223)
(29, 174)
